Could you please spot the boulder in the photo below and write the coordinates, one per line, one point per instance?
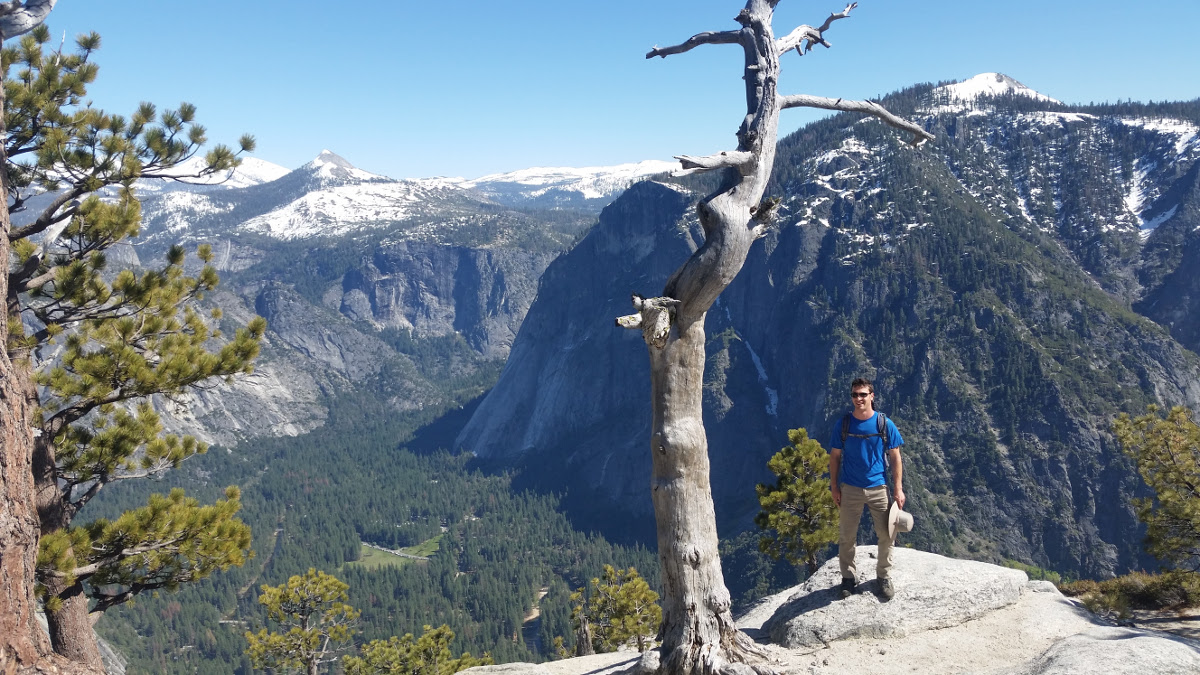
(932, 592)
(1117, 651)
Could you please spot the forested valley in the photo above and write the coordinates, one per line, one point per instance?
(316, 500)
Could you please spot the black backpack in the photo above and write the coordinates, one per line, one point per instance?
(881, 429)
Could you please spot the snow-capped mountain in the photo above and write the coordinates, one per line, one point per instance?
(252, 171)
(329, 196)
(962, 96)
(332, 197)
(589, 188)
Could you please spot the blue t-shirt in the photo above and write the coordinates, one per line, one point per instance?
(863, 458)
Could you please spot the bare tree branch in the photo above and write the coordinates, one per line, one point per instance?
(794, 40)
(18, 18)
(920, 135)
(718, 161)
(49, 215)
(804, 37)
(35, 282)
(726, 37)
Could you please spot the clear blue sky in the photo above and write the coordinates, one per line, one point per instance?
(412, 88)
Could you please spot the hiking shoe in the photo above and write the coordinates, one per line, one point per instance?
(848, 587)
(886, 589)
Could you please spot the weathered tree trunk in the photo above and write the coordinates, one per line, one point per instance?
(583, 638)
(698, 632)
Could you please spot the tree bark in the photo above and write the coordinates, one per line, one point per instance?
(20, 637)
(698, 633)
(70, 626)
(21, 642)
(23, 645)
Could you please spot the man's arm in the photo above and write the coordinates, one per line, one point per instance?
(897, 475)
(835, 467)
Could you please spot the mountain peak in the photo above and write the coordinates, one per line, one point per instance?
(990, 84)
(332, 169)
(327, 158)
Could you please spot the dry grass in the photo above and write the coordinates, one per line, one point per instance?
(1175, 590)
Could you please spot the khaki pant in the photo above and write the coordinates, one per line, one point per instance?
(849, 513)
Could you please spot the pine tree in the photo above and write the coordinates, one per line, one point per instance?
(618, 610)
(799, 508)
(1167, 452)
(427, 655)
(313, 610)
(91, 345)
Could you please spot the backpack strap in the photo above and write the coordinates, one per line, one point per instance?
(880, 428)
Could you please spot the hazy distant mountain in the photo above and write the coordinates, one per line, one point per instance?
(588, 188)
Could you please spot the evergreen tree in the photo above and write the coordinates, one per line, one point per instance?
(427, 655)
(799, 508)
(1167, 452)
(312, 607)
(618, 610)
(120, 337)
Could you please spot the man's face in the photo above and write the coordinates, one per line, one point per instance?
(863, 399)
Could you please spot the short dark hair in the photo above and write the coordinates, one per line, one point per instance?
(862, 382)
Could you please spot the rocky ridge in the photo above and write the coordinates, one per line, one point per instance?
(948, 616)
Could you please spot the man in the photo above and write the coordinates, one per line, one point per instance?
(857, 478)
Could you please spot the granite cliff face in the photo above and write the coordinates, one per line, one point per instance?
(982, 282)
(436, 290)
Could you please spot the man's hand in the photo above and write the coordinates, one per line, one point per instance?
(899, 497)
(837, 494)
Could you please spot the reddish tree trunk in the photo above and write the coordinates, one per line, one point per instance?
(20, 638)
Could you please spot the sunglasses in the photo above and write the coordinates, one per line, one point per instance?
(860, 395)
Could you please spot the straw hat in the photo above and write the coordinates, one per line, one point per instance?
(898, 520)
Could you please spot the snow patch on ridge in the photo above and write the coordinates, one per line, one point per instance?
(1186, 134)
